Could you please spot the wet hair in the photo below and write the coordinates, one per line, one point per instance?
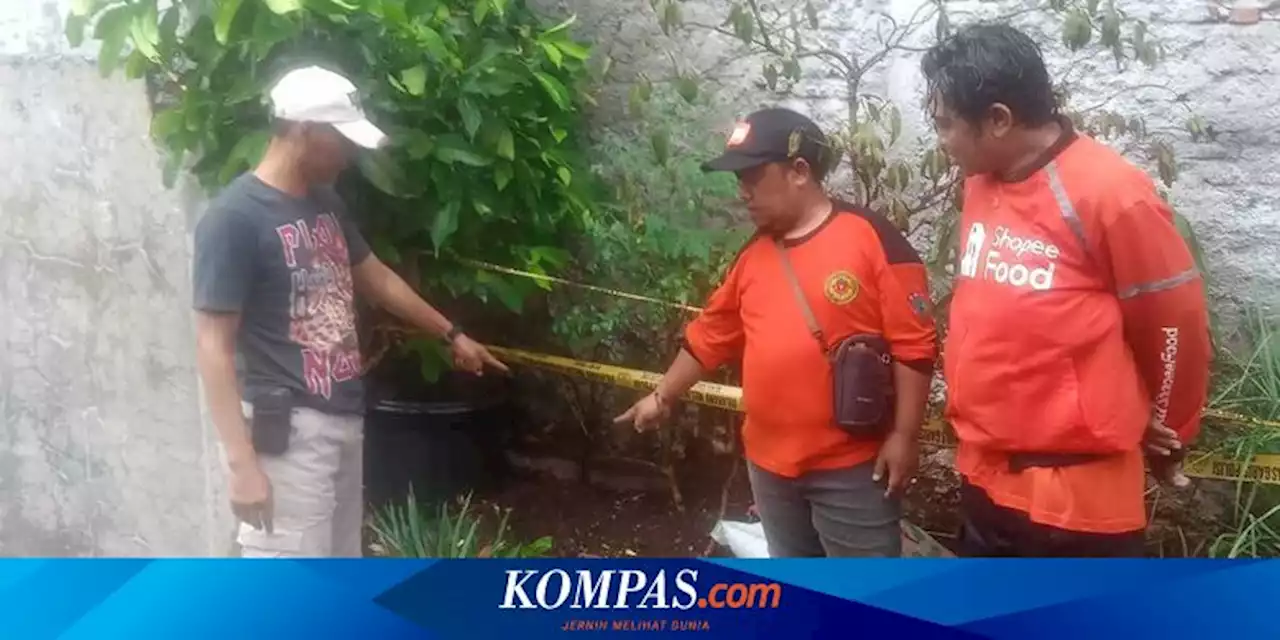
(986, 64)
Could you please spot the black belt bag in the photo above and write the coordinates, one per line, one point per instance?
(272, 422)
(861, 371)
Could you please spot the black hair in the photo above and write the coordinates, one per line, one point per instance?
(985, 64)
(824, 160)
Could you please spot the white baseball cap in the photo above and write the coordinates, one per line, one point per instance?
(313, 94)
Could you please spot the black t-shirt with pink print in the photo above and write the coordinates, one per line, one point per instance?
(284, 264)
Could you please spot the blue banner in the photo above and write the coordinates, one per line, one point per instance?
(734, 599)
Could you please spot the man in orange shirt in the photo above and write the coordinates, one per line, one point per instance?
(818, 276)
(1078, 326)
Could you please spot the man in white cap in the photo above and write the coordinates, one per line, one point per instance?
(277, 265)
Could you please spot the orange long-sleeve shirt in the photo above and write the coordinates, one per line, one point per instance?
(860, 275)
(1078, 312)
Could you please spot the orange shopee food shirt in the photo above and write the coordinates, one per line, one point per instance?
(859, 275)
(1078, 314)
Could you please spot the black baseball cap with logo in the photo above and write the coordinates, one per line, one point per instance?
(772, 135)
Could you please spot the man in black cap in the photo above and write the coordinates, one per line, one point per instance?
(827, 307)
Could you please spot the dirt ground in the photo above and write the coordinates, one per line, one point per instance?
(591, 521)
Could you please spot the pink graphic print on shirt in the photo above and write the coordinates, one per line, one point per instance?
(321, 302)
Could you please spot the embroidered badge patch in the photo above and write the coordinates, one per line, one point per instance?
(921, 305)
(841, 287)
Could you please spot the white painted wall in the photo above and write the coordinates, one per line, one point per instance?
(104, 450)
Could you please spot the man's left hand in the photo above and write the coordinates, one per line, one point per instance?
(472, 357)
(898, 460)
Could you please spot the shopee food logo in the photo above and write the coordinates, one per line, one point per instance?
(1004, 261)
(629, 588)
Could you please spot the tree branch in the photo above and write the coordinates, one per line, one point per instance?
(764, 32)
(842, 62)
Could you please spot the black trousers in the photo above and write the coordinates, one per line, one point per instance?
(993, 531)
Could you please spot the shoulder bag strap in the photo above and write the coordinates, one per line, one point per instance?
(814, 328)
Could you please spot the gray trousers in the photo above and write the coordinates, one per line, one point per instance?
(833, 513)
(317, 491)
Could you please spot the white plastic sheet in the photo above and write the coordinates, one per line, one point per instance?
(746, 540)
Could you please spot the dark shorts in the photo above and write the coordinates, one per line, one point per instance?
(993, 531)
(834, 513)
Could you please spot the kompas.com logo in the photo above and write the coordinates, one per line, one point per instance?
(616, 589)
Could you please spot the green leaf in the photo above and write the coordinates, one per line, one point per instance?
(506, 146)
(382, 172)
(1076, 31)
(247, 152)
(573, 49)
(135, 66)
(502, 175)
(414, 80)
(453, 149)
(671, 17)
(744, 25)
(83, 8)
(554, 256)
(227, 10)
(270, 30)
(500, 7)
(167, 123)
(568, 22)
(113, 28)
(282, 7)
(433, 43)
(1110, 35)
(431, 365)
(445, 223)
(537, 548)
(418, 144)
(471, 117)
(687, 87)
(481, 11)
(554, 88)
(565, 175)
(74, 29)
(553, 53)
(507, 294)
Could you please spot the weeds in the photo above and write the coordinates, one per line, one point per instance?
(1249, 385)
(408, 530)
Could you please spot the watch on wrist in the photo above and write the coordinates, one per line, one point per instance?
(452, 334)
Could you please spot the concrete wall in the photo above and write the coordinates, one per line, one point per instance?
(1229, 74)
(103, 448)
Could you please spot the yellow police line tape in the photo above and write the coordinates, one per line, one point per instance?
(1226, 416)
(1262, 468)
(569, 283)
